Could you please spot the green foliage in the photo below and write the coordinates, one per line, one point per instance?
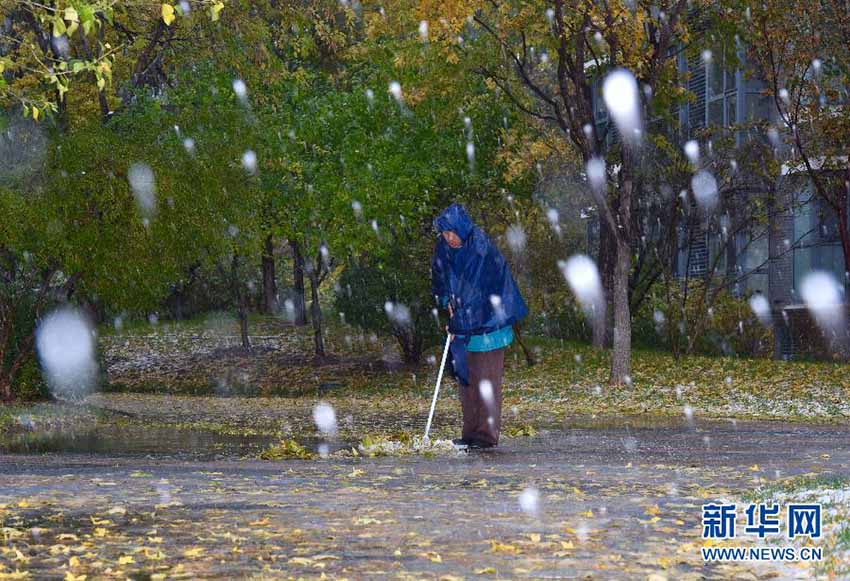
(364, 175)
(82, 223)
(17, 306)
(559, 316)
(29, 383)
(55, 52)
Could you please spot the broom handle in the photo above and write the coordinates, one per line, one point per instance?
(437, 388)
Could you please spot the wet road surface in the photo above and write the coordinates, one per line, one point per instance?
(615, 498)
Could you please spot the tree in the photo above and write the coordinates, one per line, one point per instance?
(802, 52)
(73, 230)
(296, 44)
(362, 167)
(550, 61)
(720, 248)
(56, 50)
(211, 163)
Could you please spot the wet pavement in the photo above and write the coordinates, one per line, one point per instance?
(618, 498)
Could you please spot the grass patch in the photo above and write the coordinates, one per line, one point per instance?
(797, 484)
(833, 493)
(713, 386)
(520, 431)
(9, 416)
(39, 419)
(569, 377)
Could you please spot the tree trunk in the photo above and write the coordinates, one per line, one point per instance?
(25, 350)
(844, 340)
(241, 303)
(604, 322)
(622, 352)
(621, 355)
(6, 387)
(411, 345)
(270, 306)
(243, 324)
(316, 312)
(300, 318)
(529, 358)
(844, 232)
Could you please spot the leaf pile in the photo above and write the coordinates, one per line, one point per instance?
(286, 449)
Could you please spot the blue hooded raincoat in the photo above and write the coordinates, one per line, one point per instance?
(476, 280)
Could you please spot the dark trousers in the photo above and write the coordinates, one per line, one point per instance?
(482, 415)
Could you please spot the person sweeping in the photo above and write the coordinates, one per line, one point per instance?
(472, 280)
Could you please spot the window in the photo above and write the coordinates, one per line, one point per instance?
(693, 251)
(757, 107)
(816, 238)
(717, 253)
(722, 90)
(753, 252)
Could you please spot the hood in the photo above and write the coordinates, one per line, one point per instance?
(456, 219)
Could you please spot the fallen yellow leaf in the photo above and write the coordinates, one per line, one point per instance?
(215, 9)
(498, 547)
(167, 14)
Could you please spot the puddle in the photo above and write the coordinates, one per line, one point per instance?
(150, 441)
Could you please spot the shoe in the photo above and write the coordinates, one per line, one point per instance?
(460, 443)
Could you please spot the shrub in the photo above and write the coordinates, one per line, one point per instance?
(560, 317)
(724, 325)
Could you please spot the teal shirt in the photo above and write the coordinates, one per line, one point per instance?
(487, 341)
(491, 341)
